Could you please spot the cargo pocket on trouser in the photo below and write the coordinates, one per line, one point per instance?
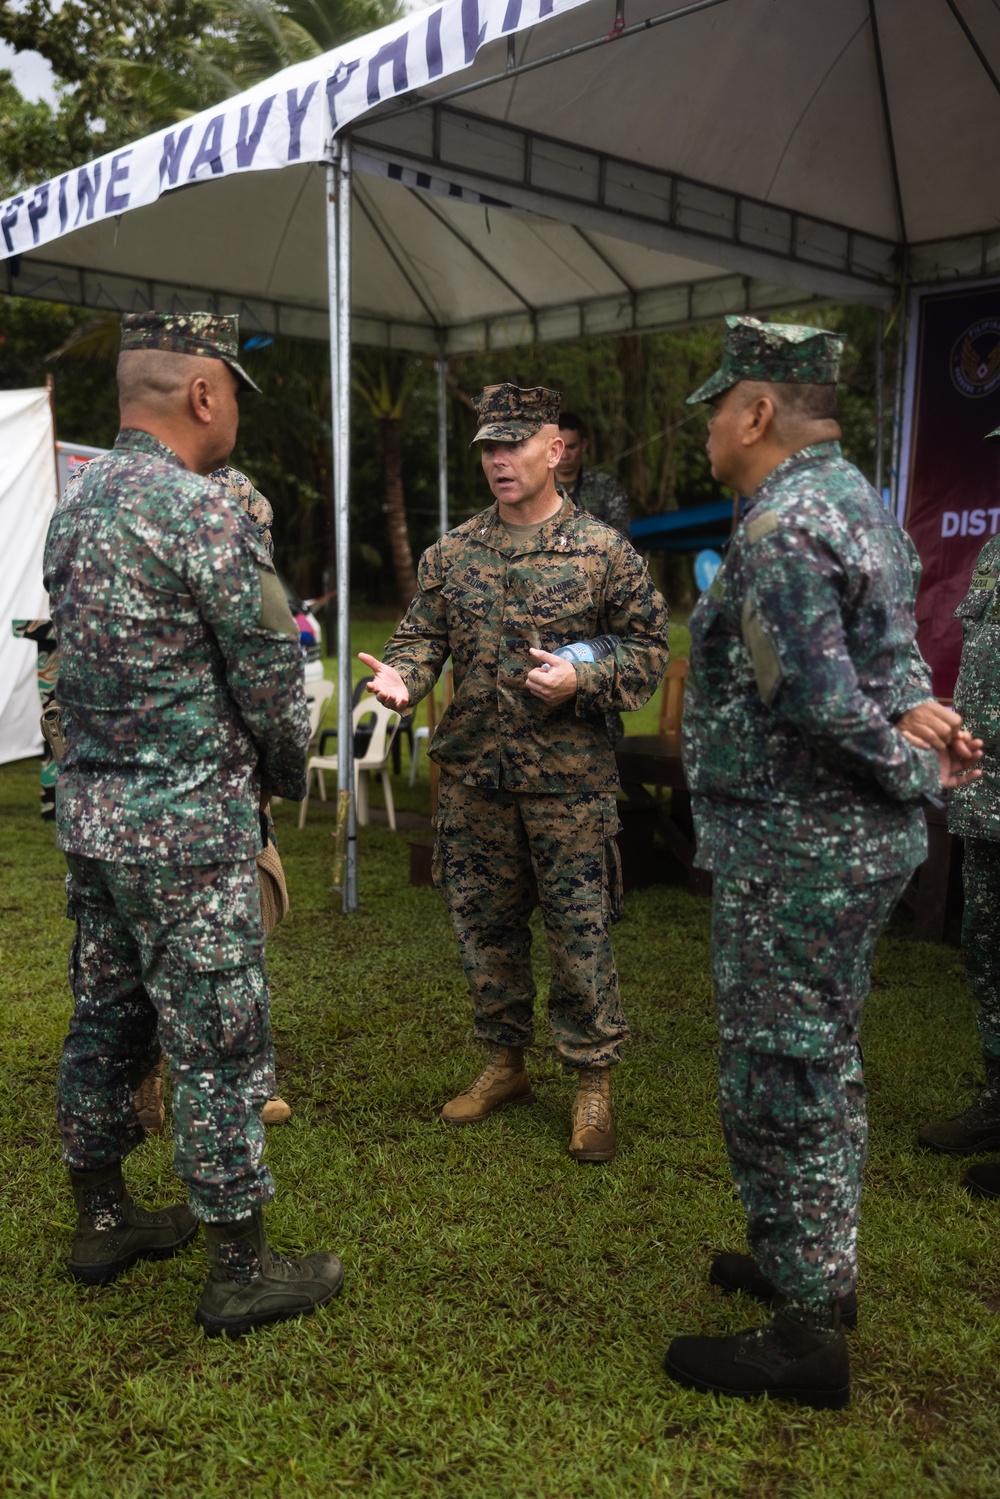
(216, 1032)
(613, 894)
(214, 1017)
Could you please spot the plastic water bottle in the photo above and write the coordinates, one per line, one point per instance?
(587, 650)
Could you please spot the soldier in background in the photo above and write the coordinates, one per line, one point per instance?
(528, 778)
(597, 493)
(182, 693)
(805, 685)
(590, 488)
(974, 813)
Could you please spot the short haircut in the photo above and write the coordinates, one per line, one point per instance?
(158, 377)
(805, 403)
(569, 421)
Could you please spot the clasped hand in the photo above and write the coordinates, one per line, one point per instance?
(930, 725)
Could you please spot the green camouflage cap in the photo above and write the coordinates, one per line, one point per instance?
(508, 414)
(210, 335)
(776, 352)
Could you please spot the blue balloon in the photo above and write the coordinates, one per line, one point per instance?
(706, 565)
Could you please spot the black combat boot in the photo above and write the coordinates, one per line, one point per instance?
(977, 1128)
(249, 1286)
(112, 1233)
(737, 1272)
(788, 1359)
(983, 1181)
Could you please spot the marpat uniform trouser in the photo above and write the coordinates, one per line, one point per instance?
(981, 936)
(170, 957)
(491, 849)
(792, 969)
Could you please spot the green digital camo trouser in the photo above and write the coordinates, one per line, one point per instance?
(792, 968)
(492, 849)
(170, 957)
(981, 936)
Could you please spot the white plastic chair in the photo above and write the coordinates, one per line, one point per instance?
(318, 695)
(418, 736)
(374, 761)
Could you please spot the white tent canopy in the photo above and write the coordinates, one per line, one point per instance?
(713, 156)
(599, 166)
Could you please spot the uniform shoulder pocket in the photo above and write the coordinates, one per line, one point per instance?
(274, 611)
(763, 654)
(761, 526)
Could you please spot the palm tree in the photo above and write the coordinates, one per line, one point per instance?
(245, 42)
(385, 385)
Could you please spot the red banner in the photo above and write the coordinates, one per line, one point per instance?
(953, 493)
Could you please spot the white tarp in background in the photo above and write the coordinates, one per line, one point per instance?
(279, 122)
(27, 500)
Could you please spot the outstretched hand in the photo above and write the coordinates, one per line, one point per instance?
(387, 685)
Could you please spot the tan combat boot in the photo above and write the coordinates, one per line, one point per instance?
(502, 1081)
(593, 1137)
(275, 1111)
(148, 1100)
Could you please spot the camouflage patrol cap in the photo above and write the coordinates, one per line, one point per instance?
(508, 414)
(775, 352)
(210, 335)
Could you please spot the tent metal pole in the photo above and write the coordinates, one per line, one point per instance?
(880, 405)
(897, 412)
(345, 744)
(344, 735)
(341, 515)
(442, 393)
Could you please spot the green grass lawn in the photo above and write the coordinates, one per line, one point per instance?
(506, 1311)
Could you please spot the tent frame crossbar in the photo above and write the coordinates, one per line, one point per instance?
(514, 69)
(698, 301)
(584, 177)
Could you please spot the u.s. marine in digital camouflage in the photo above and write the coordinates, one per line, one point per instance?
(974, 813)
(528, 778)
(250, 499)
(807, 807)
(485, 599)
(182, 695)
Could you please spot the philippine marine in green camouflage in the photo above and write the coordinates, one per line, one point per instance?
(149, 1096)
(807, 798)
(183, 704)
(528, 775)
(974, 813)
